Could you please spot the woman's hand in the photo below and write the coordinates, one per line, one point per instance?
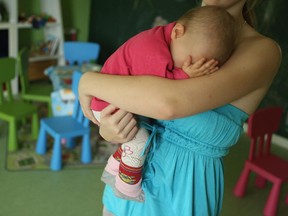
(85, 101)
(117, 126)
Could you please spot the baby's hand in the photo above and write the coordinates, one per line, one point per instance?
(199, 68)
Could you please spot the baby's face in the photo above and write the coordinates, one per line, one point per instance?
(186, 46)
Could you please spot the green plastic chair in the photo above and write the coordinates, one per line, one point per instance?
(11, 109)
(37, 92)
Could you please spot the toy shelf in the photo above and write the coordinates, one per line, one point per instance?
(51, 7)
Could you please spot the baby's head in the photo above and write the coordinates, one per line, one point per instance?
(206, 31)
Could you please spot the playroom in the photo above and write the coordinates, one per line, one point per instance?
(81, 135)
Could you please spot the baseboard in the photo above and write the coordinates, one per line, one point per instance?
(276, 139)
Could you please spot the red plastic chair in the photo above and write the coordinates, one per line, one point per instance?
(261, 125)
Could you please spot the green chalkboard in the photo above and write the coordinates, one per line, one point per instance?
(113, 22)
(272, 22)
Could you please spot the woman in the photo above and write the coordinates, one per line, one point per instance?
(189, 179)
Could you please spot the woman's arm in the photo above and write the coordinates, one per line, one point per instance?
(250, 69)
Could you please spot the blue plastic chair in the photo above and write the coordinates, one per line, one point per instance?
(68, 128)
(78, 53)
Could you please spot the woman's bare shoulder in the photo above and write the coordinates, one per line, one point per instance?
(258, 54)
(261, 57)
(256, 42)
(260, 42)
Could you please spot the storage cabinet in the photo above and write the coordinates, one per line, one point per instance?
(50, 7)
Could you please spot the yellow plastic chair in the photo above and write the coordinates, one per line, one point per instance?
(37, 92)
(11, 109)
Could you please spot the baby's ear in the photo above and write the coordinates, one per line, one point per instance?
(177, 31)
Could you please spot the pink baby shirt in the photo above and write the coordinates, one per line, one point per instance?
(147, 53)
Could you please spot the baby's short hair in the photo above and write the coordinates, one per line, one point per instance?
(217, 26)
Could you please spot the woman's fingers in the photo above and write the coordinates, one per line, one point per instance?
(117, 126)
(85, 102)
(129, 131)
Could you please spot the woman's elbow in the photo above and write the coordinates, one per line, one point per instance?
(167, 111)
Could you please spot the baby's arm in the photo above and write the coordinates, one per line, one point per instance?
(199, 68)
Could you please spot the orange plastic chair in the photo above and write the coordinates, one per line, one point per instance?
(267, 166)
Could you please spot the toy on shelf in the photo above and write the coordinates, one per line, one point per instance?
(37, 21)
(47, 47)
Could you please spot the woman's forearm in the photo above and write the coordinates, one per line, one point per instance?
(154, 97)
(117, 91)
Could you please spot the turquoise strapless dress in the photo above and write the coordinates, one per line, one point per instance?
(183, 173)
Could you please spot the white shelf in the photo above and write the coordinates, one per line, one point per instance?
(51, 7)
(44, 58)
(5, 25)
(47, 25)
